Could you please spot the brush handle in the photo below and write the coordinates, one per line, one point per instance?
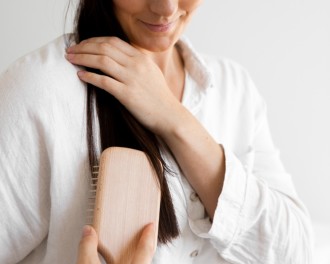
(127, 199)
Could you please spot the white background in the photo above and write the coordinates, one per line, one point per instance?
(285, 45)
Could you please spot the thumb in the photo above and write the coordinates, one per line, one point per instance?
(146, 246)
(88, 246)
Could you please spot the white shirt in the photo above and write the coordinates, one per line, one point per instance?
(45, 173)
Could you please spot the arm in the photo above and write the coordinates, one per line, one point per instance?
(201, 159)
(259, 217)
(24, 188)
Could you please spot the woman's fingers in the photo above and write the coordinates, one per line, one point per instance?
(115, 42)
(103, 48)
(104, 82)
(87, 253)
(146, 247)
(101, 62)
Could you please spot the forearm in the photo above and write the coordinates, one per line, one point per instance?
(200, 158)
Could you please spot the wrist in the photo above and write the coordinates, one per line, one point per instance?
(179, 125)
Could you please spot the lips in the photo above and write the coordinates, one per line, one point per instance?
(158, 27)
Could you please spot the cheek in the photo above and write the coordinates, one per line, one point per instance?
(190, 5)
(128, 7)
(125, 10)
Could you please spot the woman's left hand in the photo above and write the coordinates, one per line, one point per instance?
(130, 76)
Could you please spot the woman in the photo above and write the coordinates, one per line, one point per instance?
(226, 197)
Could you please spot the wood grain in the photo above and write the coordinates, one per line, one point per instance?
(127, 199)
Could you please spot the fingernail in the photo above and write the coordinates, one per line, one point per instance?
(87, 231)
(69, 56)
(151, 227)
(80, 73)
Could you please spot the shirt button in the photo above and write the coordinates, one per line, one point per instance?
(194, 254)
(194, 197)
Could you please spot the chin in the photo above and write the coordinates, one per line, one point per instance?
(156, 44)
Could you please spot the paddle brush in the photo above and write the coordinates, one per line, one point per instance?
(125, 198)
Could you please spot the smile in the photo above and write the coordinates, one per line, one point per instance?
(158, 27)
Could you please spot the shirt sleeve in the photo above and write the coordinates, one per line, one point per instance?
(259, 217)
(24, 166)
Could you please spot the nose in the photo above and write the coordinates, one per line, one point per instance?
(164, 8)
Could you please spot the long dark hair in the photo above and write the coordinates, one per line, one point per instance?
(118, 127)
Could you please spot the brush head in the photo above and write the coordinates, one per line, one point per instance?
(127, 199)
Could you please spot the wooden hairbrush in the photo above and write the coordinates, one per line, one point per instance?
(127, 198)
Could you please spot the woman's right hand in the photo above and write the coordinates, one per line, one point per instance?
(88, 254)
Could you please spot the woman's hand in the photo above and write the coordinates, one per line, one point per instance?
(88, 247)
(130, 76)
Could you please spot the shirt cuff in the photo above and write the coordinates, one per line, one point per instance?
(227, 216)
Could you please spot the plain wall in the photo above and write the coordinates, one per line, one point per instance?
(283, 43)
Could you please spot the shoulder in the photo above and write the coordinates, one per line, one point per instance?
(228, 71)
(233, 91)
(223, 79)
(40, 72)
(40, 60)
(41, 89)
(40, 78)
(231, 79)
(225, 73)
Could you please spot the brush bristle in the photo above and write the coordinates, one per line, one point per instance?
(92, 195)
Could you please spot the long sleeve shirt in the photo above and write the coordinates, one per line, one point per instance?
(44, 168)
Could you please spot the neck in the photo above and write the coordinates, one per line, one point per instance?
(168, 61)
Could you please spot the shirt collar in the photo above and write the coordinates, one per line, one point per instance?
(195, 65)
